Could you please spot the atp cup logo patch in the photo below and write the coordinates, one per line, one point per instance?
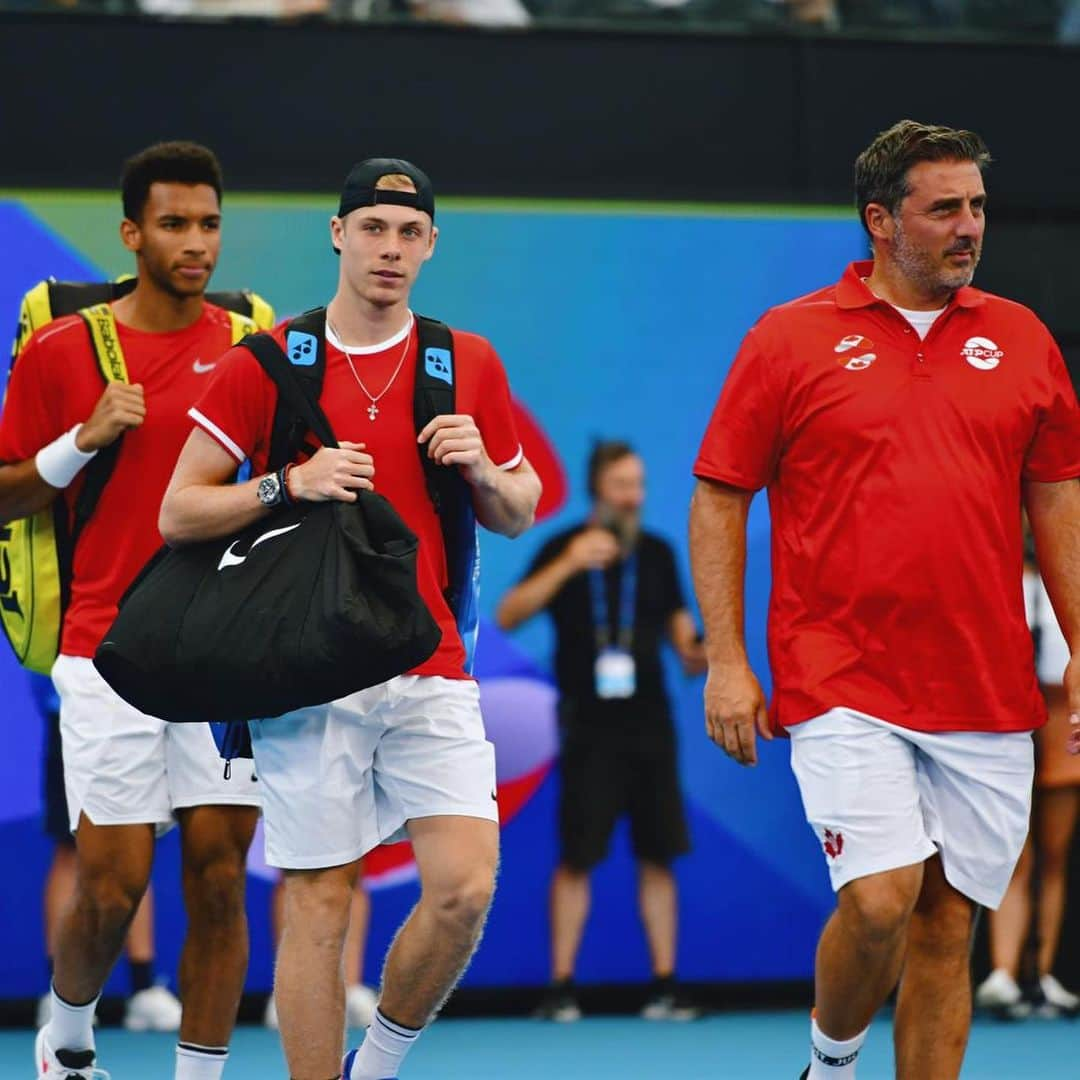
(851, 343)
(982, 353)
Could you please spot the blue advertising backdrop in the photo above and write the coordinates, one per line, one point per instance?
(614, 322)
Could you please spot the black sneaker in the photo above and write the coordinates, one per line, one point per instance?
(559, 1004)
(667, 1002)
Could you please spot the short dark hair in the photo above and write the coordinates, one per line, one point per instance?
(881, 170)
(168, 162)
(604, 453)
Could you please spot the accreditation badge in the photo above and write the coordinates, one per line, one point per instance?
(616, 674)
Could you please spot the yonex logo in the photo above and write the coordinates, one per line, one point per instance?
(982, 353)
(439, 365)
(302, 348)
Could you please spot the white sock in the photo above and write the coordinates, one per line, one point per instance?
(70, 1027)
(832, 1059)
(200, 1062)
(383, 1049)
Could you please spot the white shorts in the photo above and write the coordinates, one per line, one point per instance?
(122, 767)
(881, 796)
(340, 779)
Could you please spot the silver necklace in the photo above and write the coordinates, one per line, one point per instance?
(373, 408)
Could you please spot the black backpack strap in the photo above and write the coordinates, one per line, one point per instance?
(297, 372)
(434, 396)
(448, 490)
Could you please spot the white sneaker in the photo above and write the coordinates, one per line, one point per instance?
(270, 1016)
(64, 1064)
(999, 991)
(360, 1002)
(153, 1009)
(1057, 996)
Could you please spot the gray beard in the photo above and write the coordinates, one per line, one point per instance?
(918, 268)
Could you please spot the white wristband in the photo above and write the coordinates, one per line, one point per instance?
(61, 461)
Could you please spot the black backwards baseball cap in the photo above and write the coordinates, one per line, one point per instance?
(360, 189)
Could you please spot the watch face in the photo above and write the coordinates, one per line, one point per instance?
(269, 490)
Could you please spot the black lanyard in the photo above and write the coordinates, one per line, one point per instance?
(627, 606)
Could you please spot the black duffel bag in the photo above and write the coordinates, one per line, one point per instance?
(310, 604)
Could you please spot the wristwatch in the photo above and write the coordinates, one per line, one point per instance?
(269, 490)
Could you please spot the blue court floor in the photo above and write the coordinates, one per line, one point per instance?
(738, 1046)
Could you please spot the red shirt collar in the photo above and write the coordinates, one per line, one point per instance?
(852, 291)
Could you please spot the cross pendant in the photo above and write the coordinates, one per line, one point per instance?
(372, 411)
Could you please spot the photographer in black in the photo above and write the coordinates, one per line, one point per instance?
(613, 592)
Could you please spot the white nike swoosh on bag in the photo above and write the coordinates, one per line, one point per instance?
(229, 559)
(201, 369)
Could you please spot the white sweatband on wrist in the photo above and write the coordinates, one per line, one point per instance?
(61, 461)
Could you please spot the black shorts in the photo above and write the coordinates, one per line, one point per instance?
(57, 823)
(620, 758)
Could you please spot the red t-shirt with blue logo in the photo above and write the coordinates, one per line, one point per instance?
(894, 468)
(238, 408)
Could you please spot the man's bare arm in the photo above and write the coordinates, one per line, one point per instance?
(23, 492)
(505, 500)
(1054, 513)
(734, 702)
(592, 548)
(683, 635)
(202, 503)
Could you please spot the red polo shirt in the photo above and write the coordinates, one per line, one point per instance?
(894, 469)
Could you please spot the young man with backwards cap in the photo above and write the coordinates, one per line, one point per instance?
(407, 757)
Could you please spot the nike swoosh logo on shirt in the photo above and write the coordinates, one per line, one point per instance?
(201, 369)
(229, 558)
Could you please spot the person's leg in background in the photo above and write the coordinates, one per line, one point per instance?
(1057, 801)
(1009, 928)
(660, 835)
(151, 1007)
(360, 1000)
(1055, 824)
(590, 802)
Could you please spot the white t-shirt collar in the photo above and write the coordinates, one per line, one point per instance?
(369, 350)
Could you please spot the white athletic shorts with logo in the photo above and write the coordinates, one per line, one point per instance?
(122, 767)
(880, 796)
(338, 780)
